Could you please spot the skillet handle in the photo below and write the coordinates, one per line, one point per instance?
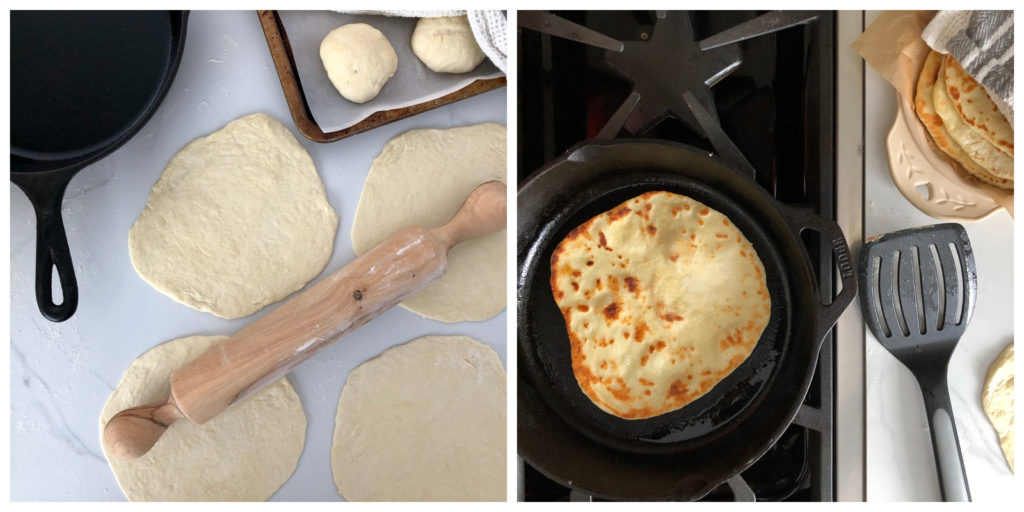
(827, 314)
(47, 196)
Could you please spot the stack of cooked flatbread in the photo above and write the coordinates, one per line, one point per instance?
(964, 122)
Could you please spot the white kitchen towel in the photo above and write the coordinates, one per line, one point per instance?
(425, 13)
(982, 41)
(489, 29)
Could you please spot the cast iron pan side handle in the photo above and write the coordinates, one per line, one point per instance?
(51, 246)
(827, 314)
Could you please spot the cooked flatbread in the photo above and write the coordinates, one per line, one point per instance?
(925, 107)
(976, 108)
(997, 400)
(663, 297)
(981, 151)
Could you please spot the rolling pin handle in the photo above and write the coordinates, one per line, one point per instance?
(132, 432)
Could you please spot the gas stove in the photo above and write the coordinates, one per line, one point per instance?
(756, 89)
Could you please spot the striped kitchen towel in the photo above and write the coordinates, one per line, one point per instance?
(982, 41)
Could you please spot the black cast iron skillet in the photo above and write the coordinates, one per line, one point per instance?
(686, 453)
(82, 83)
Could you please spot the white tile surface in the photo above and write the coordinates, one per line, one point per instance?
(900, 464)
(61, 374)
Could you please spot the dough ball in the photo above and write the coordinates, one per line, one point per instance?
(359, 60)
(446, 45)
(239, 219)
(422, 177)
(244, 454)
(997, 400)
(423, 421)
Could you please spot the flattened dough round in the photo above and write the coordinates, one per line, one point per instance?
(446, 44)
(359, 60)
(239, 219)
(423, 421)
(997, 400)
(421, 177)
(244, 454)
(663, 297)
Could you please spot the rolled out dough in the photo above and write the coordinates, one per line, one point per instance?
(244, 454)
(422, 177)
(239, 219)
(423, 421)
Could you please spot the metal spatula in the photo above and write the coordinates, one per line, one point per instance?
(918, 290)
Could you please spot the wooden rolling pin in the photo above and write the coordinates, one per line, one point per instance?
(271, 346)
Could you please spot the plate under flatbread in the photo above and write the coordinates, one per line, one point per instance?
(663, 297)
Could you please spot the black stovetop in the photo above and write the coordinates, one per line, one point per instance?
(777, 107)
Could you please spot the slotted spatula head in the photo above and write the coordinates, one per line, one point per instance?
(918, 291)
(917, 294)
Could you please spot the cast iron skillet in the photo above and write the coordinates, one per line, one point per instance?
(686, 453)
(82, 83)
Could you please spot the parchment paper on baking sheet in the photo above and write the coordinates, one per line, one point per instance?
(413, 82)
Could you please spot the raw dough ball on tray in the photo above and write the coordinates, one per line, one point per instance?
(422, 177)
(359, 60)
(239, 219)
(446, 45)
(244, 454)
(423, 421)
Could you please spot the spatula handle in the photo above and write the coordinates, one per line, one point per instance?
(948, 461)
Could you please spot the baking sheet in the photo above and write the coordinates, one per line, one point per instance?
(412, 83)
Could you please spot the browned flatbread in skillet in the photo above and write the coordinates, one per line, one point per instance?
(663, 297)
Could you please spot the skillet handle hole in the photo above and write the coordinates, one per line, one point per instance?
(820, 251)
(56, 290)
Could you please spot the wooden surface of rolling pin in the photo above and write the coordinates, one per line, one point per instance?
(271, 346)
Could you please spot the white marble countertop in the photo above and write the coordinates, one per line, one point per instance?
(62, 373)
(900, 463)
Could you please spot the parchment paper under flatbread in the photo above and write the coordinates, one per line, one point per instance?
(976, 108)
(663, 297)
(986, 155)
(925, 107)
